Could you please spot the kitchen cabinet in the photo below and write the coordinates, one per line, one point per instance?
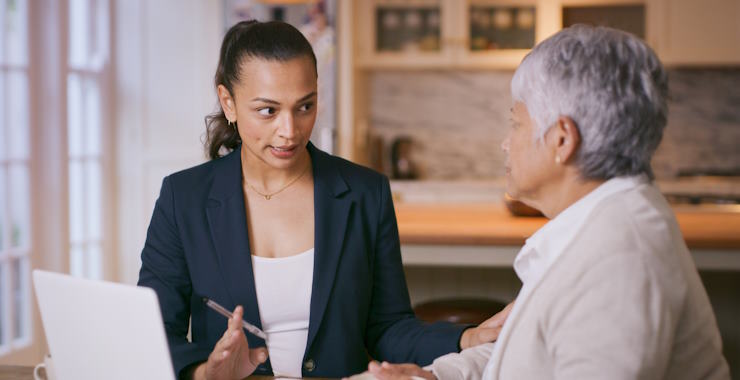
(445, 35)
(482, 34)
(465, 34)
(409, 34)
(697, 33)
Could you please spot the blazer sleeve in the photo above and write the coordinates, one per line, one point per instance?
(164, 269)
(393, 332)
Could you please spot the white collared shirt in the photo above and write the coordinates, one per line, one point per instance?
(546, 245)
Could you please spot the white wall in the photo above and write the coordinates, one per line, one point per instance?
(165, 57)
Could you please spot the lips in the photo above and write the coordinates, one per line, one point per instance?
(284, 151)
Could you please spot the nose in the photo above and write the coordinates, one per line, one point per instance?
(287, 128)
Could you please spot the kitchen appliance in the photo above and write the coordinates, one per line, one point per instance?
(402, 166)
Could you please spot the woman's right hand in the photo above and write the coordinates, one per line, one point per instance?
(231, 358)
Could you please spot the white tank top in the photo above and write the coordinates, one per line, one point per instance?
(283, 287)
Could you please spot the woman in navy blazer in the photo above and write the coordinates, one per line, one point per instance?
(198, 244)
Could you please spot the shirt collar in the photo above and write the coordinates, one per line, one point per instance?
(549, 242)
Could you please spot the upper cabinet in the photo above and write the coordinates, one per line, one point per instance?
(497, 34)
(697, 33)
(404, 33)
(449, 33)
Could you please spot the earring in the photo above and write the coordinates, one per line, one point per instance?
(557, 159)
(231, 124)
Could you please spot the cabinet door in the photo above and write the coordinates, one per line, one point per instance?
(404, 33)
(694, 32)
(496, 34)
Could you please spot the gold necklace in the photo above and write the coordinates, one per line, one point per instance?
(269, 196)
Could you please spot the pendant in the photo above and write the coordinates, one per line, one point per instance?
(267, 197)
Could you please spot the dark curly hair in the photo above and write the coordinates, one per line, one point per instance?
(273, 41)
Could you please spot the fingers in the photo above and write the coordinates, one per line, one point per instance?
(499, 318)
(234, 332)
(388, 371)
(486, 334)
(229, 340)
(258, 355)
(405, 369)
(383, 373)
(235, 322)
(224, 347)
(233, 335)
(231, 356)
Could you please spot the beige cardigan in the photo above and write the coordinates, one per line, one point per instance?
(624, 301)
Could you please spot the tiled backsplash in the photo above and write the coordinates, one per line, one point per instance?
(457, 120)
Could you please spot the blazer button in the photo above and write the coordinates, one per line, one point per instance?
(309, 365)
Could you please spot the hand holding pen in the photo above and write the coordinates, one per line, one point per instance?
(231, 358)
(222, 310)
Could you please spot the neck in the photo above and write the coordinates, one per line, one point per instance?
(563, 193)
(263, 176)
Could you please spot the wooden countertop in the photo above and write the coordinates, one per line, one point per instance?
(707, 227)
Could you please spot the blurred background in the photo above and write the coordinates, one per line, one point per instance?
(100, 99)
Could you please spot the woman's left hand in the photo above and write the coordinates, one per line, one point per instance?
(388, 371)
(487, 331)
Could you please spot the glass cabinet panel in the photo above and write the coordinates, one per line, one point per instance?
(408, 28)
(497, 27)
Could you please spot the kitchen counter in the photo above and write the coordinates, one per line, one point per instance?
(487, 235)
(705, 227)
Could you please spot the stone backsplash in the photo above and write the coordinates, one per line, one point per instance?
(457, 121)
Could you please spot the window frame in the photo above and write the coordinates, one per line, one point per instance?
(23, 253)
(48, 67)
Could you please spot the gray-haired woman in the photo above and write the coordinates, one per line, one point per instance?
(609, 288)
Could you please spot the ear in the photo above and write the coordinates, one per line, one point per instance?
(564, 139)
(227, 102)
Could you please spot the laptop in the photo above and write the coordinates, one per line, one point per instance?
(102, 330)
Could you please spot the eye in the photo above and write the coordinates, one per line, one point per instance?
(306, 107)
(266, 111)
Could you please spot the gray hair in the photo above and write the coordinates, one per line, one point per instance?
(613, 87)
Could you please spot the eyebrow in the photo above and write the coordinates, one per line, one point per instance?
(270, 101)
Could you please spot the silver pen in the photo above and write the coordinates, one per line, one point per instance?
(247, 326)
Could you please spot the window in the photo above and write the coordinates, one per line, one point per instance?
(15, 205)
(86, 77)
(35, 137)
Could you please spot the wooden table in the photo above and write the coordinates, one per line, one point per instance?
(14, 372)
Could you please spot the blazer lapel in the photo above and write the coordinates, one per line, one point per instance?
(228, 225)
(330, 221)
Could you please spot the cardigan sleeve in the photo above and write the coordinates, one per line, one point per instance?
(617, 323)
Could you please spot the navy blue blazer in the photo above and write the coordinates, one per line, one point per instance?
(197, 246)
